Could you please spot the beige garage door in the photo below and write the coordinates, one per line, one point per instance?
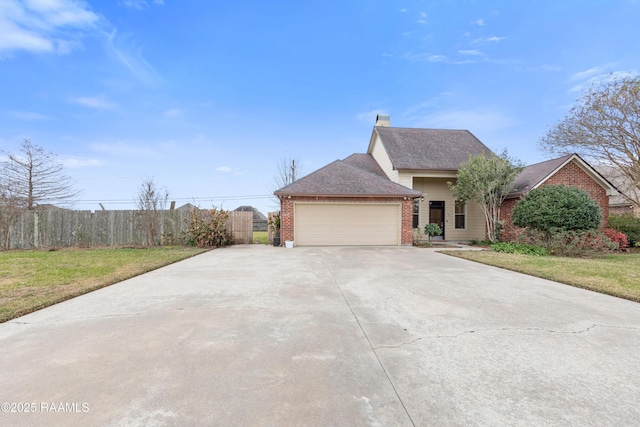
(340, 224)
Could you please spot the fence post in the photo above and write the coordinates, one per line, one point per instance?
(35, 229)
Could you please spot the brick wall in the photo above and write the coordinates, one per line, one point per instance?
(287, 213)
(571, 175)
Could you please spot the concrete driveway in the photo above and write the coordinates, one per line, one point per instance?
(256, 335)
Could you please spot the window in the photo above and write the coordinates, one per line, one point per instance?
(416, 213)
(460, 212)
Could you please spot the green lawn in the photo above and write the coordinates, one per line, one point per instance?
(31, 280)
(261, 237)
(617, 275)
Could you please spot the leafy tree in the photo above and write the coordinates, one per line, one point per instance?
(555, 208)
(604, 126)
(37, 177)
(487, 179)
(151, 201)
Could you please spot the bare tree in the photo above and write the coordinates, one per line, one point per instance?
(151, 200)
(604, 126)
(11, 207)
(288, 172)
(37, 177)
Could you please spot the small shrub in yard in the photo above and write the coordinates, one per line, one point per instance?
(617, 237)
(432, 230)
(627, 224)
(208, 227)
(571, 243)
(580, 243)
(519, 248)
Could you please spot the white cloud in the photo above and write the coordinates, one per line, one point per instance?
(127, 149)
(492, 39)
(27, 115)
(369, 116)
(473, 52)
(131, 58)
(582, 75)
(227, 169)
(99, 103)
(596, 75)
(426, 57)
(479, 22)
(42, 25)
(475, 120)
(77, 163)
(173, 112)
(140, 4)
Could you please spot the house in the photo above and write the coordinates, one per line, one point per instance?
(402, 183)
(621, 204)
(569, 170)
(379, 197)
(259, 220)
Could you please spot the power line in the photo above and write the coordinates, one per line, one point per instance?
(181, 199)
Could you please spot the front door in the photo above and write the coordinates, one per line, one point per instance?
(436, 216)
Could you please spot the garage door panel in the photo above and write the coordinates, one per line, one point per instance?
(336, 224)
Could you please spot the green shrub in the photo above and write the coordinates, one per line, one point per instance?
(629, 225)
(519, 248)
(572, 243)
(557, 208)
(432, 230)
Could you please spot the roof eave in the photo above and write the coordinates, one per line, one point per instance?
(410, 195)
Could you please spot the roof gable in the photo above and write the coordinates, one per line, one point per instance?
(343, 179)
(428, 149)
(537, 174)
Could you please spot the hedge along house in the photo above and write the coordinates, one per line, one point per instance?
(570, 170)
(379, 197)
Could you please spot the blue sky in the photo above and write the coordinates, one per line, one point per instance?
(206, 96)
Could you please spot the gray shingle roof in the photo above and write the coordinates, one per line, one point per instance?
(343, 179)
(366, 162)
(431, 149)
(532, 175)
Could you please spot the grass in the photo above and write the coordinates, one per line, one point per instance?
(31, 280)
(261, 237)
(617, 275)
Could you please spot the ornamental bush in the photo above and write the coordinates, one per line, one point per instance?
(627, 224)
(519, 248)
(207, 228)
(555, 208)
(617, 237)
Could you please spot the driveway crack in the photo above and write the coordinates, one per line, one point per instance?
(472, 331)
(375, 353)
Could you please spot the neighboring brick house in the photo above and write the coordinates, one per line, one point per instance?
(622, 203)
(570, 170)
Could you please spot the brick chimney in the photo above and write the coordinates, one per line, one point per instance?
(383, 120)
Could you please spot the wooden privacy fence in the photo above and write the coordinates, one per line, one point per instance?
(63, 228)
